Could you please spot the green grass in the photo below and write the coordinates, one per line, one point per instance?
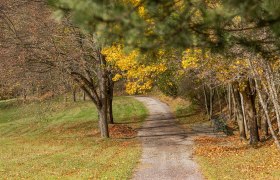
(189, 116)
(54, 140)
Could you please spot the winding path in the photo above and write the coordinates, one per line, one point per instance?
(167, 148)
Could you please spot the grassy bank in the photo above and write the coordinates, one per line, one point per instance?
(187, 114)
(61, 140)
(229, 158)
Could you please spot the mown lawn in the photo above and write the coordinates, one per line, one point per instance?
(55, 139)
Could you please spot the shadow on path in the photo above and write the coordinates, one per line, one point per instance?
(167, 148)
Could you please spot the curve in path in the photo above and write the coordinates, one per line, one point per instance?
(167, 148)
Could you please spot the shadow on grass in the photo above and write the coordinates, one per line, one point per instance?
(129, 122)
(135, 119)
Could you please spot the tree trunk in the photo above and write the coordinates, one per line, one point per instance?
(234, 106)
(206, 102)
(103, 125)
(103, 78)
(211, 99)
(259, 116)
(74, 95)
(220, 101)
(110, 111)
(229, 102)
(244, 114)
(265, 123)
(265, 127)
(250, 108)
(84, 96)
(110, 101)
(239, 112)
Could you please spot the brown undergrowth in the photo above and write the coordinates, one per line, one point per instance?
(122, 131)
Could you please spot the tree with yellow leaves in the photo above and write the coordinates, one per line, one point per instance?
(214, 71)
(139, 76)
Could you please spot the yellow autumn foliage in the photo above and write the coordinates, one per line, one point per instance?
(136, 3)
(139, 77)
(192, 57)
(211, 66)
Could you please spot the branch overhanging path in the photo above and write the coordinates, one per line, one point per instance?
(167, 148)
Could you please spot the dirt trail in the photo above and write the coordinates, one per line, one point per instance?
(167, 148)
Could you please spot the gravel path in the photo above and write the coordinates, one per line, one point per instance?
(167, 148)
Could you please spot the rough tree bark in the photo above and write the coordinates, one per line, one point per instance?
(102, 110)
(250, 107)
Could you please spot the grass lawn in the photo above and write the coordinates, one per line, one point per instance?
(55, 139)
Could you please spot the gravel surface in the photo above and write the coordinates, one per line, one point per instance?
(167, 148)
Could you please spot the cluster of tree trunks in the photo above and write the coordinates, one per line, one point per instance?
(249, 104)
